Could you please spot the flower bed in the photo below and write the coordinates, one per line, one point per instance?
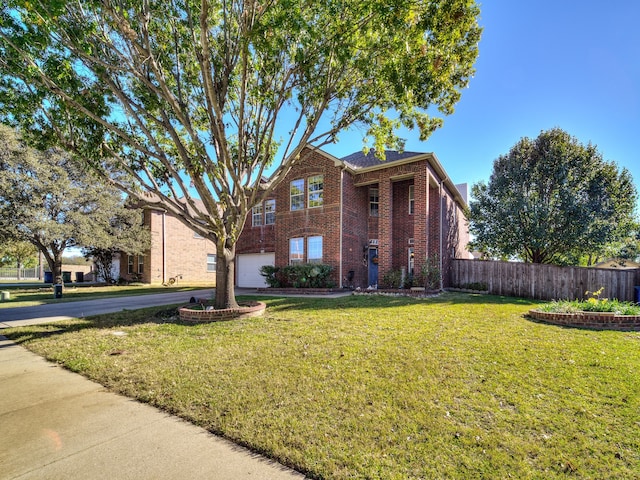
(200, 313)
(595, 320)
(299, 291)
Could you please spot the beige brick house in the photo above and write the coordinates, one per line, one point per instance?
(362, 216)
(176, 253)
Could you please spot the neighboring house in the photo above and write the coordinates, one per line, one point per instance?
(362, 216)
(176, 253)
(619, 263)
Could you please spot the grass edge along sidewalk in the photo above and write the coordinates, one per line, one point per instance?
(456, 386)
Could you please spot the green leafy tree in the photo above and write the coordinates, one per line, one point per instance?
(122, 232)
(197, 99)
(551, 200)
(18, 254)
(50, 202)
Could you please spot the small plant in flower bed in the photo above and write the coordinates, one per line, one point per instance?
(593, 304)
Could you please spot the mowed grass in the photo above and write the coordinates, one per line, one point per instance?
(457, 386)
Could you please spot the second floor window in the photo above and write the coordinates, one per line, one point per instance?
(374, 202)
(316, 191)
(297, 194)
(270, 212)
(257, 215)
(411, 200)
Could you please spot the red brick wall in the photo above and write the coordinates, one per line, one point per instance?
(358, 228)
(258, 239)
(392, 228)
(403, 225)
(323, 221)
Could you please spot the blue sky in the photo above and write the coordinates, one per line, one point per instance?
(566, 63)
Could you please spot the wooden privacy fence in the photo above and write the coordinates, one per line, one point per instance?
(544, 282)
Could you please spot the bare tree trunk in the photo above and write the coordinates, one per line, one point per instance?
(225, 275)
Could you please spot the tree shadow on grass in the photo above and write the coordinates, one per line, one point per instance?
(169, 314)
(126, 318)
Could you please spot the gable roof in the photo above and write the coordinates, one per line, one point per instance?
(359, 160)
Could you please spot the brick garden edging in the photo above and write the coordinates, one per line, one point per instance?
(246, 310)
(595, 320)
(299, 291)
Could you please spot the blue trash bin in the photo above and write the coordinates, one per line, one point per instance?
(48, 277)
(637, 295)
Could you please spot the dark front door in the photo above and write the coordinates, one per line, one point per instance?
(373, 266)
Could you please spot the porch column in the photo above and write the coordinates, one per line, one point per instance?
(420, 221)
(385, 227)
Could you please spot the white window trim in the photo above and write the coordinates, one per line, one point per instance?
(377, 202)
(256, 216)
(271, 213)
(214, 263)
(412, 200)
(315, 259)
(297, 195)
(300, 242)
(319, 192)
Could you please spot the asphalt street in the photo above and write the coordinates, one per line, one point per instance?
(14, 317)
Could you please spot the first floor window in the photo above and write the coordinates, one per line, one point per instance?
(296, 250)
(211, 262)
(314, 254)
(140, 264)
(257, 215)
(296, 193)
(129, 264)
(270, 212)
(411, 261)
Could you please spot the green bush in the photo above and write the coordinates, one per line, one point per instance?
(298, 276)
(392, 279)
(271, 275)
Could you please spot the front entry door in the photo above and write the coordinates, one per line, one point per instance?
(373, 266)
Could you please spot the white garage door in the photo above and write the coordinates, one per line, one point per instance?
(248, 269)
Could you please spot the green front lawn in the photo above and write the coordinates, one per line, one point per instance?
(458, 386)
(30, 296)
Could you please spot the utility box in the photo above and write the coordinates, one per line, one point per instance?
(57, 291)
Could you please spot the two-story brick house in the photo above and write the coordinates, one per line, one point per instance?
(363, 216)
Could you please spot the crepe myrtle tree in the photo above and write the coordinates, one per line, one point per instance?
(552, 200)
(49, 201)
(196, 99)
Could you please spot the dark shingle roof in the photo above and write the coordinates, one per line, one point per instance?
(360, 160)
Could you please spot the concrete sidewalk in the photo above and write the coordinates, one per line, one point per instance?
(55, 424)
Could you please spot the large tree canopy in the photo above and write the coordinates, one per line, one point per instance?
(197, 98)
(551, 199)
(48, 201)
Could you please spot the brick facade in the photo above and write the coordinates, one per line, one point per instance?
(175, 251)
(351, 232)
